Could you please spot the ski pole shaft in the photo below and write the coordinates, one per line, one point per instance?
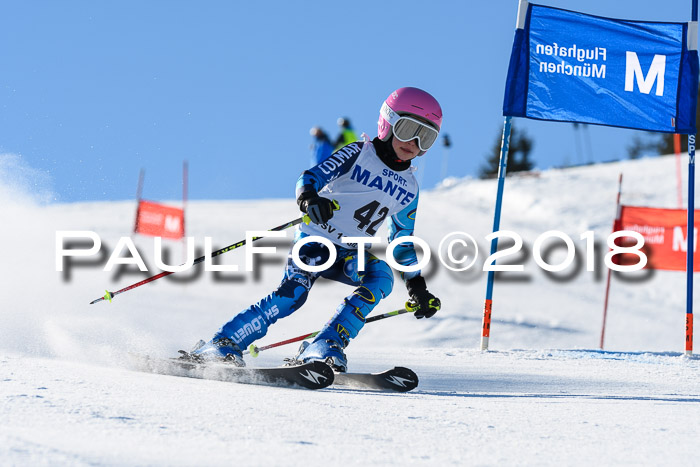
(253, 350)
(109, 295)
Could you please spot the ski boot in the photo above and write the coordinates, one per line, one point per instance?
(326, 350)
(219, 349)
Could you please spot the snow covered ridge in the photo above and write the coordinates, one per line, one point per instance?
(544, 395)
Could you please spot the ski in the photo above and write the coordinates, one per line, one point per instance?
(397, 379)
(312, 375)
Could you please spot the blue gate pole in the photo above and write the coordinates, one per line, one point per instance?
(690, 250)
(486, 323)
(503, 163)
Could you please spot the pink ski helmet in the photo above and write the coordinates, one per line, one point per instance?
(408, 101)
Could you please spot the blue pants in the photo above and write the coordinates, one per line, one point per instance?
(373, 284)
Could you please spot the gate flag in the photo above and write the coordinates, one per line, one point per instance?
(665, 236)
(572, 67)
(158, 220)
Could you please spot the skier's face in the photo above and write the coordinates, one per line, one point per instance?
(405, 151)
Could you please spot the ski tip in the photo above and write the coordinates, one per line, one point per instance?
(403, 379)
(397, 379)
(314, 375)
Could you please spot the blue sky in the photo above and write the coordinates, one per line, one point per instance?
(92, 92)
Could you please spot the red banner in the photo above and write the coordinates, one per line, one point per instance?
(665, 236)
(159, 221)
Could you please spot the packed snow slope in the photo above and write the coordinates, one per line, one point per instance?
(544, 394)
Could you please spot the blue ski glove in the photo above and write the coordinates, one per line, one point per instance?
(427, 303)
(319, 209)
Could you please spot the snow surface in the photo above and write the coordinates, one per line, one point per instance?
(544, 394)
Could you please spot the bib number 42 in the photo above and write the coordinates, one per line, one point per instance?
(370, 216)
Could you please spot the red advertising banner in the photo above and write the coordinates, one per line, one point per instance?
(665, 236)
(159, 221)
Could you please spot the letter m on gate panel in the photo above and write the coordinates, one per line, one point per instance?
(159, 221)
(657, 70)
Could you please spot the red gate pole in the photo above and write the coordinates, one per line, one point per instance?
(607, 284)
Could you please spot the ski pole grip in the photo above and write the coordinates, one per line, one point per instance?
(307, 220)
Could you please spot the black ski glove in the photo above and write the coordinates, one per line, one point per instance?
(428, 304)
(319, 209)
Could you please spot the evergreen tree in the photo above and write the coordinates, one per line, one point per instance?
(518, 154)
(644, 144)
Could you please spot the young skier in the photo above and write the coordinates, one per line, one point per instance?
(370, 182)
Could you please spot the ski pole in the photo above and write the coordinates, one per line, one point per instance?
(109, 295)
(253, 350)
(305, 219)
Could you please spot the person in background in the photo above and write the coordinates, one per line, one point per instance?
(347, 134)
(321, 148)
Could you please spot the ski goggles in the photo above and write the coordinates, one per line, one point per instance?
(406, 128)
